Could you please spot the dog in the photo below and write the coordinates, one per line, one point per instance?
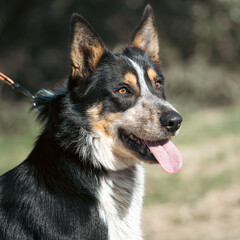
(84, 178)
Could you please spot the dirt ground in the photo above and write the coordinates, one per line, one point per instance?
(215, 217)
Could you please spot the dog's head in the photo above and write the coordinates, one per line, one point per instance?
(120, 98)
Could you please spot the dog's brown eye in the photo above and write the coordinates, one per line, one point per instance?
(122, 91)
(158, 85)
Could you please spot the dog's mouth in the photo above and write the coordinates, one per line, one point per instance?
(137, 145)
(162, 151)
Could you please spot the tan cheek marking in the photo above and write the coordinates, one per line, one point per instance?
(152, 75)
(94, 112)
(102, 123)
(131, 80)
(101, 126)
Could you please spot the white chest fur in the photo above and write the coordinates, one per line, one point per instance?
(120, 203)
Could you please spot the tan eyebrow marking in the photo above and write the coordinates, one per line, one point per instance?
(131, 79)
(152, 75)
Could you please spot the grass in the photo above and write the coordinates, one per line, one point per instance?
(18, 131)
(208, 124)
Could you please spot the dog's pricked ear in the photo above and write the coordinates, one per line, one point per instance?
(145, 36)
(86, 47)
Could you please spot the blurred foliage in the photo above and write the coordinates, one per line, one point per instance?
(198, 83)
(34, 39)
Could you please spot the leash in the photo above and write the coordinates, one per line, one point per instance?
(17, 86)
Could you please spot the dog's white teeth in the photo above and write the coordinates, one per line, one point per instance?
(131, 136)
(135, 139)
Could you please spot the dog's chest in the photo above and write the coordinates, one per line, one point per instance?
(120, 203)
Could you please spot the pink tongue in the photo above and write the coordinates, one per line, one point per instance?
(167, 155)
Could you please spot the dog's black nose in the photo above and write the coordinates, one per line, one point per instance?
(171, 121)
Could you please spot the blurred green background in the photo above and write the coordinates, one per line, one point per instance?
(200, 53)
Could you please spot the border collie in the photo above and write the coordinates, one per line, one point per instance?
(84, 179)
